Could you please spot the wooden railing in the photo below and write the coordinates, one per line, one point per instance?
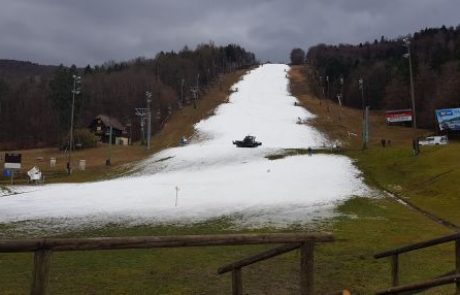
(44, 248)
(449, 278)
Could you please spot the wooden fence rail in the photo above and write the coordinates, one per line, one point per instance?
(451, 277)
(43, 249)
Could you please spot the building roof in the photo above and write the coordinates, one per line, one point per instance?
(110, 122)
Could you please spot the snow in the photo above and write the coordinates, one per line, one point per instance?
(210, 177)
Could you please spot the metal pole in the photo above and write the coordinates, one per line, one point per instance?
(322, 87)
(142, 131)
(130, 126)
(364, 123)
(182, 81)
(109, 158)
(69, 164)
(194, 92)
(412, 94)
(366, 129)
(341, 89)
(149, 118)
(149, 128)
(361, 86)
(328, 93)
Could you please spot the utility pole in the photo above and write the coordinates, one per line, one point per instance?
(340, 98)
(75, 91)
(195, 95)
(195, 91)
(142, 117)
(361, 87)
(327, 96)
(322, 87)
(182, 82)
(109, 156)
(341, 90)
(365, 129)
(148, 95)
(142, 113)
(412, 94)
(130, 126)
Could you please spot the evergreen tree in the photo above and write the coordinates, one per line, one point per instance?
(3, 92)
(297, 56)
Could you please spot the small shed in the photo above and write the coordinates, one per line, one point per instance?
(100, 126)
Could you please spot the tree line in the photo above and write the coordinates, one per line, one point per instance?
(383, 65)
(35, 101)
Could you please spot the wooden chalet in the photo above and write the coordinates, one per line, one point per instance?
(100, 126)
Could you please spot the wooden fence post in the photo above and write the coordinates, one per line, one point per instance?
(237, 282)
(457, 264)
(395, 270)
(306, 268)
(42, 258)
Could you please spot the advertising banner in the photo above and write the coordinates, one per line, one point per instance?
(398, 116)
(12, 161)
(448, 119)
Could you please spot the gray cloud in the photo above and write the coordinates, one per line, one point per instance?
(92, 32)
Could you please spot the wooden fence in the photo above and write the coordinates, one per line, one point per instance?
(448, 278)
(44, 248)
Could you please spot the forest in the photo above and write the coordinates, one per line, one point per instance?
(36, 100)
(383, 66)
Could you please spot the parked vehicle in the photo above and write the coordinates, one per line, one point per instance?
(248, 141)
(434, 140)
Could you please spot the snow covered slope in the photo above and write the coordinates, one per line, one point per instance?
(211, 178)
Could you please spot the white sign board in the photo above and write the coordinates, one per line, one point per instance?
(12, 166)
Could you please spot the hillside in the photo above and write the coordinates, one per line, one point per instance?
(14, 69)
(124, 157)
(384, 67)
(36, 101)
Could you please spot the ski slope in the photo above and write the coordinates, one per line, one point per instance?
(211, 178)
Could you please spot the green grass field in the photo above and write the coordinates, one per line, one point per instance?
(363, 226)
(428, 180)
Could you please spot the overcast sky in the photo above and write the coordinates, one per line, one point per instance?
(95, 31)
